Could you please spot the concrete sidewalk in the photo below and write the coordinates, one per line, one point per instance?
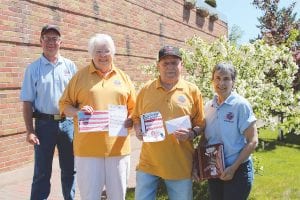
(16, 184)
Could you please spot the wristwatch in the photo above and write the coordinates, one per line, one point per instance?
(195, 133)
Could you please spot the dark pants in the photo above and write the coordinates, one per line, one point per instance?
(237, 188)
(50, 134)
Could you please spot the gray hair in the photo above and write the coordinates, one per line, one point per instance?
(225, 67)
(100, 39)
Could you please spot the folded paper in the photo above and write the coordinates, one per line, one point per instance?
(183, 122)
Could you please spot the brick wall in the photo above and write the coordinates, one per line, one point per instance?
(138, 27)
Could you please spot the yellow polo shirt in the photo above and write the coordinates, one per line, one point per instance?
(170, 158)
(89, 87)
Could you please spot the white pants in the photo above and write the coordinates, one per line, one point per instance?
(94, 173)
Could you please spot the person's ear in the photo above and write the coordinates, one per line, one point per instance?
(157, 64)
(182, 64)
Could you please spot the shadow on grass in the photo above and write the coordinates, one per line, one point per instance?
(290, 140)
(200, 191)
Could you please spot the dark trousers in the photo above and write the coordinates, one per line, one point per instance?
(238, 188)
(50, 134)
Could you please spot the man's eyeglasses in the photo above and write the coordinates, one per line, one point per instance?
(51, 39)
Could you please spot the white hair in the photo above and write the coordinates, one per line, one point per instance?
(100, 39)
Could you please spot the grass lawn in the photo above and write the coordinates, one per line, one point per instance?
(279, 179)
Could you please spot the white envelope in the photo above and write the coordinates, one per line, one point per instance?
(178, 123)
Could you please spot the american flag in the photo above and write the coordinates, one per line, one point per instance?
(94, 122)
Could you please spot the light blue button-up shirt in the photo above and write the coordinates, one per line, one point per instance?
(44, 83)
(226, 124)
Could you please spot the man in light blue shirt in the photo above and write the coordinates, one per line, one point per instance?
(44, 82)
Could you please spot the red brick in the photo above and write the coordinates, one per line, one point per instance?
(137, 36)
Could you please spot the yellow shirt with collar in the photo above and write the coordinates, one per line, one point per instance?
(89, 87)
(170, 158)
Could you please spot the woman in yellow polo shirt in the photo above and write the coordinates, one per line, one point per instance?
(100, 159)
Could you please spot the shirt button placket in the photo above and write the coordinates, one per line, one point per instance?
(168, 100)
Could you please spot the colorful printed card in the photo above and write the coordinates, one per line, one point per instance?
(152, 127)
(97, 121)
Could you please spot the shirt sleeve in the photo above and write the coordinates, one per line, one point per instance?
(28, 89)
(131, 98)
(138, 107)
(197, 116)
(68, 97)
(74, 68)
(246, 116)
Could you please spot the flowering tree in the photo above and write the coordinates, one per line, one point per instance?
(265, 76)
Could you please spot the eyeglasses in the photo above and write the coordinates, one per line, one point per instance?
(51, 39)
(104, 52)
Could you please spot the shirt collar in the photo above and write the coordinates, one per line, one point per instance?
(228, 101)
(45, 61)
(178, 85)
(93, 69)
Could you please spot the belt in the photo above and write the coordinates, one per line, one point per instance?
(39, 115)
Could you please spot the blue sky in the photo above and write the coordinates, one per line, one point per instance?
(244, 14)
